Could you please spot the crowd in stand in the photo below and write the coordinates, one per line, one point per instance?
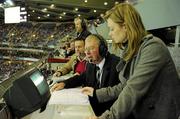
(8, 68)
(14, 53)
(35, 34)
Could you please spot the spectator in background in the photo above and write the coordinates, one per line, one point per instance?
(81, 28)
(67, 46)
(98, 56)
(150, 85)
(77, 63)
(71, 49)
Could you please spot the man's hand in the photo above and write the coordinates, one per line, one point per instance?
(76, 74)
(58, 86)
(57, 74)
(88, 91)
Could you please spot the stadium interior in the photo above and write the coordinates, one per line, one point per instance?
(48, 28)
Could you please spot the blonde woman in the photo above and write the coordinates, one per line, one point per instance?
(150, 86)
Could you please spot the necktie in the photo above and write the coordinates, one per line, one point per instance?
(98, 73)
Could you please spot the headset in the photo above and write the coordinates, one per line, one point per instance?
(103, 48)
(83, 24)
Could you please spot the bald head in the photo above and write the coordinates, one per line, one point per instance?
(92, 49)
(92, 38)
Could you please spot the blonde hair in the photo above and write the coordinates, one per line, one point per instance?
(125, 13)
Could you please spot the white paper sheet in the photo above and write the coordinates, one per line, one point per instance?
(72, 96)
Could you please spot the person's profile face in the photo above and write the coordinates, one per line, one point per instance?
(92, 50)
(72, 45)
(78, 26)
(117, 32)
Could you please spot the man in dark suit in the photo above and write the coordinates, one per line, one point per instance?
(81, 28)
(97, 53)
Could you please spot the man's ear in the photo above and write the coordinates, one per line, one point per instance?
(124, 26)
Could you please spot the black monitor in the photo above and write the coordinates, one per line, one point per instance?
(28, 93)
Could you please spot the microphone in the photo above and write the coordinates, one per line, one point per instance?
(90, 60)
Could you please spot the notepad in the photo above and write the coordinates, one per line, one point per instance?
(72, 96)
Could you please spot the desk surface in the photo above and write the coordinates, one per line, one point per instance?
(64, 110)
(59, 111)
(64, 106)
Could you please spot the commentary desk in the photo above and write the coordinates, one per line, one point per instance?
(59, 111)
(66, 104)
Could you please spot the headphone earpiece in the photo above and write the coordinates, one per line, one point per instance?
(103, 48)
(83, 24)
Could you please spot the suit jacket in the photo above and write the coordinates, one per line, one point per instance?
(69, 66)
(149, 88)
(88, 78)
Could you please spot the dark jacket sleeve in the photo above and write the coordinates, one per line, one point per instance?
(75, 81)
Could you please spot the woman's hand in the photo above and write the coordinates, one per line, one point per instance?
(88, 91)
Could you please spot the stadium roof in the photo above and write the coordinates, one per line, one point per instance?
(61, 10)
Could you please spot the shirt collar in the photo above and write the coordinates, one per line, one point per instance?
(79, 58)
(101, 64)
